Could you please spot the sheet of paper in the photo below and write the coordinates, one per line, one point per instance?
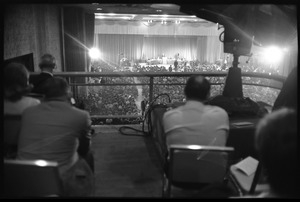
(244, 123)
(240, 124)
(248, 165)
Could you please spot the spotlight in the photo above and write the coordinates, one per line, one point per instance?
(94, 53)
(272, 54)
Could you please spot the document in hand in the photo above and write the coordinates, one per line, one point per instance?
(247, 165)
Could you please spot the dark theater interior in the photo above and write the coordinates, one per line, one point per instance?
(157, 100)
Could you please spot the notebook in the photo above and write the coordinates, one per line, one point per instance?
(247, 166)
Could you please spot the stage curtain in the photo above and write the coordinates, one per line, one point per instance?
(113, 47)
(214, 49)
(155, 46)
(137, 47)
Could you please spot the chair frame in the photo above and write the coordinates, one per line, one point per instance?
(12, 127)
(56, 185)
(173, 148)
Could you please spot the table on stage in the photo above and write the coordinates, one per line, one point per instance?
(241, 134)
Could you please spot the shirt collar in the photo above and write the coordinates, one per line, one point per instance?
(194, 103)
(47, 73)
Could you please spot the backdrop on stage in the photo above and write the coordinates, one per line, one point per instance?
(142, 48)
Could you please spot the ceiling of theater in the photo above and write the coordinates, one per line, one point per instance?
(170, 9)
(211, 12)
(153, 12)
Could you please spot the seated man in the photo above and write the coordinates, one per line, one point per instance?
(55, 131)
(46, 65)
(195, 122)
(16, 87)
(276, 142)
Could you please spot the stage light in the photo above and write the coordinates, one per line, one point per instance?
(272, 54)
(94, 53)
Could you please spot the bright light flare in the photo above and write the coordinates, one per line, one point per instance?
(272, 54)
(94, 53)
(41, 163)
(194, 147)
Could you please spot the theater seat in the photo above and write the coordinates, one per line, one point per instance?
(196, 165)
(12, 125)
(31, 179)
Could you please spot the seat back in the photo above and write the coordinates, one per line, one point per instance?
(198, 164)
(12, 126)
(31, 179)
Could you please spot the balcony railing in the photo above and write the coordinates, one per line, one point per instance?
(136, 86)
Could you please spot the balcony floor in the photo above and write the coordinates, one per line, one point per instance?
(125, 166)
(130, 167)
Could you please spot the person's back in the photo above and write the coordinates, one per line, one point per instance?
(52, 130)
(46, 65)
(195, 122)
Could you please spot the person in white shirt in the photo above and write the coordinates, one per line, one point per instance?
(196, 122)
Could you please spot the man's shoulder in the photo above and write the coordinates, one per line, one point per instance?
(80, 111)
(214, 109)
(172, 112)
(40, 76)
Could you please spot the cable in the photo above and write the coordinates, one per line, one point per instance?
(222, 33)
(147, 117)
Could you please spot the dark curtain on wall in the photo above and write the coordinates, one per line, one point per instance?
(89, 31)
(74, 39)
(78, 38)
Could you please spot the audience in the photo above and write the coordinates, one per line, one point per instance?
(57, 131)
(47, 64)
(16, 87)
(195, 122)
(102, 105)
(276, 142)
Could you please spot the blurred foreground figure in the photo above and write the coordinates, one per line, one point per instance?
(57, 131)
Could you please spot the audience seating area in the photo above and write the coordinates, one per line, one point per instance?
(123, 101)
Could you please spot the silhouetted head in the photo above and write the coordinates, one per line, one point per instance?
(56, 87)
(16, 81)
(197, 88)
(47, 62)
(276, 143)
